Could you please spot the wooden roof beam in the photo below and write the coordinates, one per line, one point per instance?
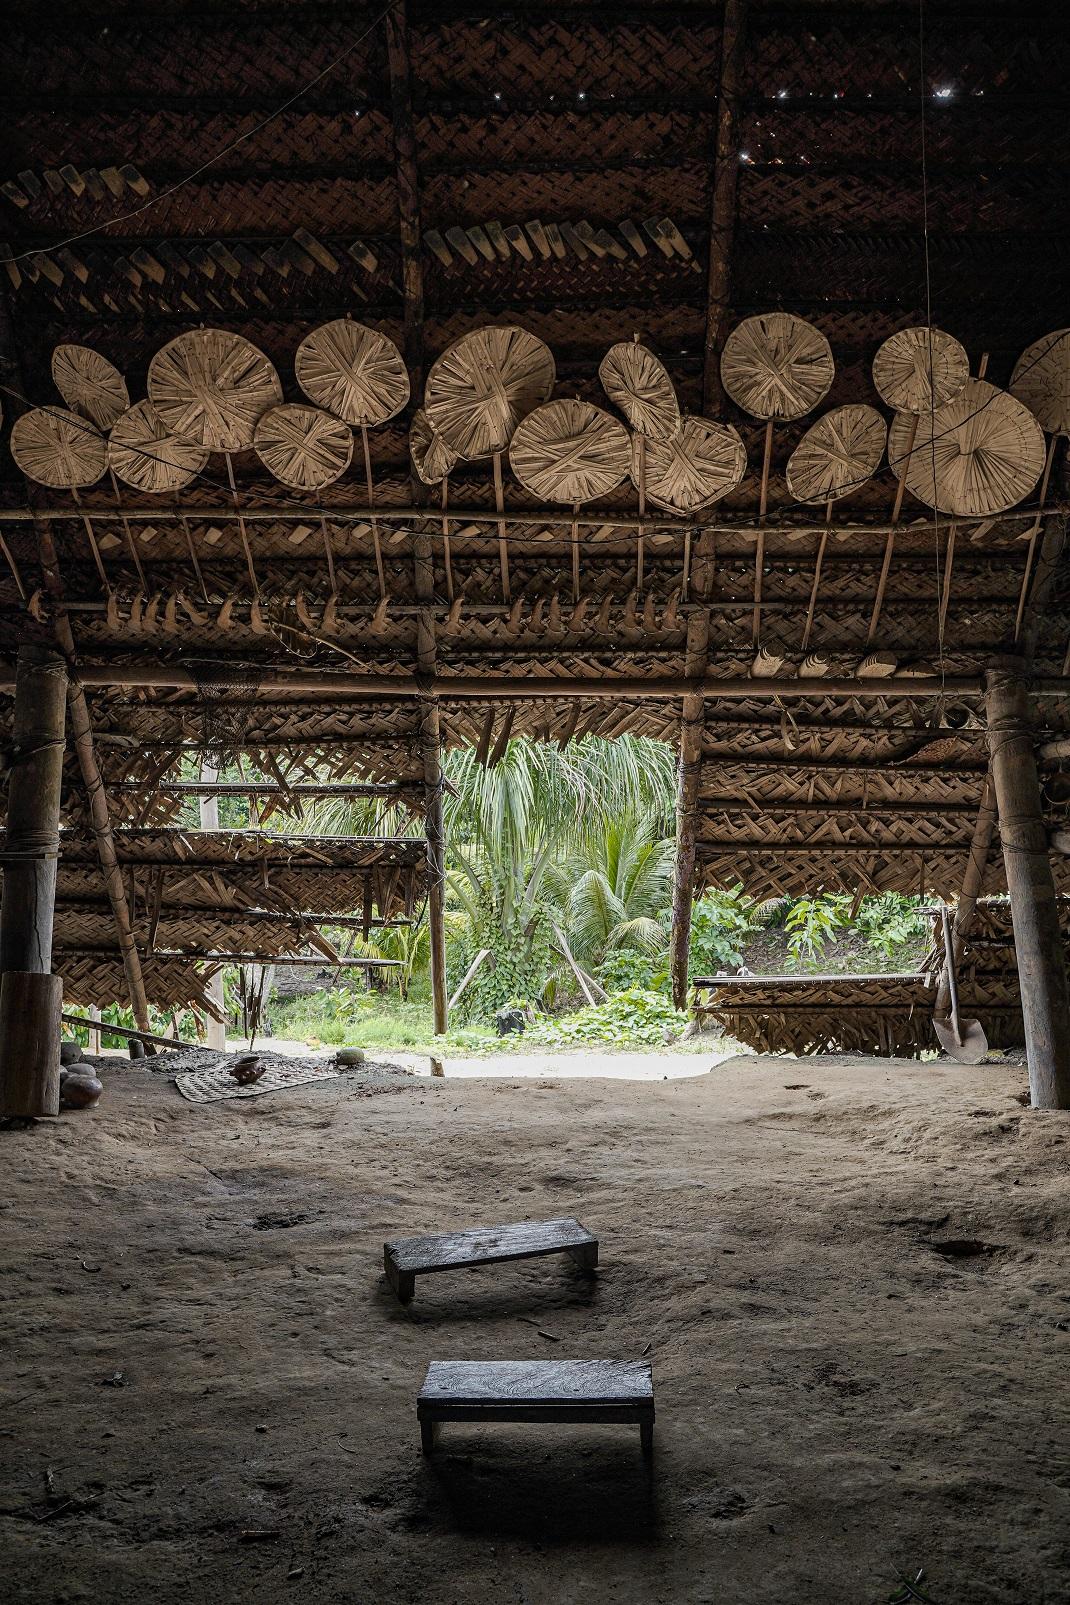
(723, 199)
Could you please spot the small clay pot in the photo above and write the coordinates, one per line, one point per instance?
(135, 1049)
(70, 1052)
(247, 1069)
(81, 1090)
(349, 1056)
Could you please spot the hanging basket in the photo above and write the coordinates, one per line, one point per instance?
(776, 366)
(144, 453)
(212, 387)
(480, 388)
(432, 459)
(353, 372)
(569, 451)
(637, 383)
(302, 446)
(1041, 381)
(987, 451)
(837, 454)
(89, 384)
(57, 448)
(701, 463)
(916, 370)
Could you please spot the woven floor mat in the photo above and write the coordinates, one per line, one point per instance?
(210, 1086)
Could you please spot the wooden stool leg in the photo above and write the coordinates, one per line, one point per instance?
(427, 1436)
(646, 1438)
(586, 1257)
(403, 1282)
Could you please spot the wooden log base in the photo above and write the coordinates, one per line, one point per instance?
(554, 1391)
(29, 1043)
(408, 1257)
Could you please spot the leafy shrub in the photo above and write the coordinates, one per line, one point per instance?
(812, 923)
(891, 922)
(625, 967)
(635, 1016)
(720, 924)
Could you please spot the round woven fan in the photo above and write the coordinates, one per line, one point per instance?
(901, 432)
(988, 452)
(89, 384)
(1041, 381)
(302, 446)
(432, 459)
(637, 383)
(699, 465)
(837, 454)
(143, 452)
(480, 388)
(776, 366)
(569, 451)
(59, 449)
(918, 369)
(353, 372)
(212, 387)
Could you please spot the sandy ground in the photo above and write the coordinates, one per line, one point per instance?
(208, 1392)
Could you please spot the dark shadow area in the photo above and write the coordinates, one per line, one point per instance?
(486, 1291)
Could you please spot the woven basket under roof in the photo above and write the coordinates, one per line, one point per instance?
(637, 383)
(57, 448)
(701, 463)
(90, 385)
(213, 387)
(143, 452)
(432, 459)
(917, 369)
(482, 385)
(988, 452)
(303, 446)
(570, 451)
(354, 372)
(1041, 381)
(776, 366)
(837, 454)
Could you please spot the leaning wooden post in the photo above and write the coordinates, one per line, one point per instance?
(436, 862)
(30, 995)
(972, 882)
(215, 1030)
(32, 848)
(1038, 940)
(691, 726)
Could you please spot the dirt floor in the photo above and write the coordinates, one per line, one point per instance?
(208, 1392)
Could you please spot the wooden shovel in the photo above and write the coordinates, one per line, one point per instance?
(964, 1040)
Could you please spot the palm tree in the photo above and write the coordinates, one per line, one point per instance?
(615, 885)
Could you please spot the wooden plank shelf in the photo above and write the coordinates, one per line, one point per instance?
(555, 1391)
(405, 1258)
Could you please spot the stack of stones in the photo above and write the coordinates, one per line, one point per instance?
(79, 1085)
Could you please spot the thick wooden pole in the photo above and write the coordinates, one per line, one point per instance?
(723, 199)
(215, 1030)
(29, 1043)
(972, 882)
(430, 737)
(32, 847)
(683, 887)
(1034, 911)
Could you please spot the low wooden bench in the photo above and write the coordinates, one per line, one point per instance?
(408, 1257)
(537, 1390)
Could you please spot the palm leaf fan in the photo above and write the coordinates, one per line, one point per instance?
(353, 372)
(483, 385)
(1041, 381)
(143, 452)
(303, 446)
(693, 469)
(637, 383)
(918, 369)
(89, 384)
(837, 454)
(570, 451)
(776, 366)
(432, 458)
(978, 455)
(213, 387)
(57, 448)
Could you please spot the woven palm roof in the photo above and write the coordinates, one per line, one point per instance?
(560, 162)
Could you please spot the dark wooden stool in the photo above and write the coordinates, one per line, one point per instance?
(537, 1390)
(408, 1257)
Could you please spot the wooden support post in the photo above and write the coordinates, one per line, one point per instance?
(436, 855)
(972, 883)
(29, 1043)
(32, 847)
(723, 199)
(215, 1030)
(1034, 911)
(686, 826)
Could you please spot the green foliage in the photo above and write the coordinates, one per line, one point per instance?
(891, 922)
(634, 1017)
(812, 923)
(720, 924)
(626, 967)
